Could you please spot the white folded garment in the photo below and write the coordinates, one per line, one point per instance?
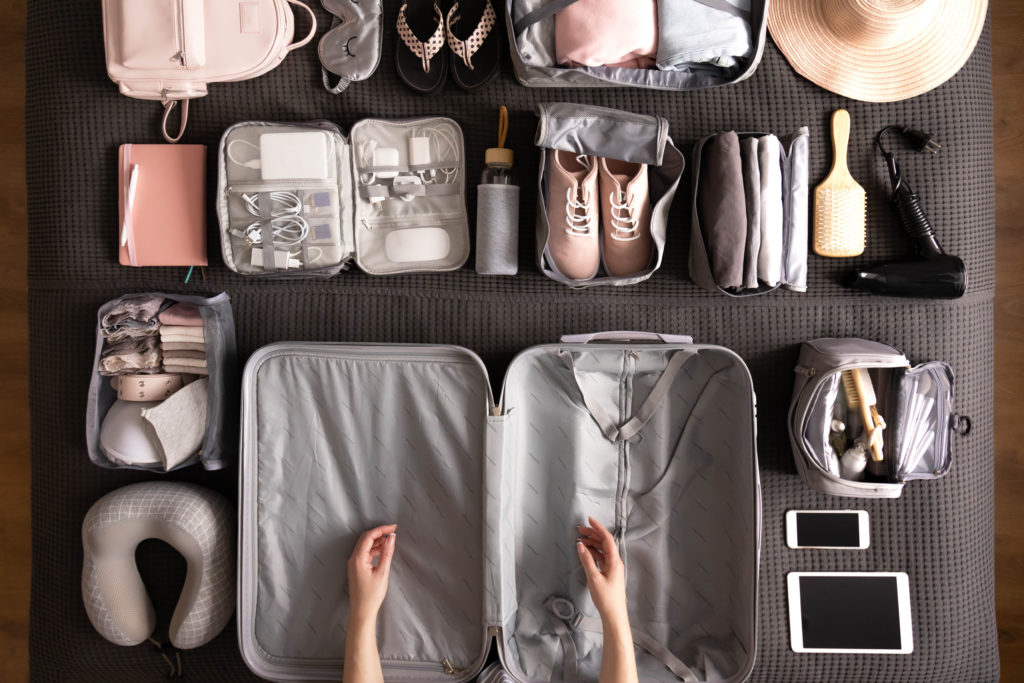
(752, 193)
(769, 258)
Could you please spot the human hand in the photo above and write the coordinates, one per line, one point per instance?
(606, 575)
(368, 583)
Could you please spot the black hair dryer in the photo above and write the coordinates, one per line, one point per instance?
(935, 274)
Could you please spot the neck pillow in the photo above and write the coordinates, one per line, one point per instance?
(196, 522)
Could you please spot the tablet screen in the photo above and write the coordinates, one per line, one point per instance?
(850, 612)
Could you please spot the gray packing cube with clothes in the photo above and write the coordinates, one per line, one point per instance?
(219, 443)
(613, 134)
(531, 36)
(650, 434)
(916, 403)
(356, 211)
(794, 157)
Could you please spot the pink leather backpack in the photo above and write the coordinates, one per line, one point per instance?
(169, 50)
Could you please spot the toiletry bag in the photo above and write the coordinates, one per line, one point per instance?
(169, 50)
(219, 442)
(302, 200)
(530, 25)
(614, 134)
(652, 435)
(916, 403)
(794, 159)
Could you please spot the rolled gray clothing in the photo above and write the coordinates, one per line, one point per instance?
(132, 311)
(131, 345)
(724, 209)
(497, 229)
(715, 32)
(752, 192)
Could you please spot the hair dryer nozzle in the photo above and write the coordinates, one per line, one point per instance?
(940, 277)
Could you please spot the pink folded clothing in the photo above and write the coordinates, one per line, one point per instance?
(184, 314)
(607, 33)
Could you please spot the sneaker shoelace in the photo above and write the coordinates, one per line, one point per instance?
(579, 223)
(578, 214)
(624, 220)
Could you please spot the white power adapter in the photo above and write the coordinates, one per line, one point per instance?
(419, 151)
(295, 156)
(282, 259)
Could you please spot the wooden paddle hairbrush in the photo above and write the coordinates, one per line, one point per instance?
(860, 395)
(840, 203)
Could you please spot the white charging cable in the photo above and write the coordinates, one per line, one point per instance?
(442, 143)
(252, 163)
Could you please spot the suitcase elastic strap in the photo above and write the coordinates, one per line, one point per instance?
(569, 619)
(633, 425)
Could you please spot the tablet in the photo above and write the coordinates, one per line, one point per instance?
(850, 612)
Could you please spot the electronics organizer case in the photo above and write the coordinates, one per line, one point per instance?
(351, 228)
(532, 50)
(657, 440)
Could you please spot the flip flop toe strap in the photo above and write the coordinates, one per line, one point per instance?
(465, 49)
(425, 51)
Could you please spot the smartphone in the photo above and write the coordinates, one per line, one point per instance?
(827, 529)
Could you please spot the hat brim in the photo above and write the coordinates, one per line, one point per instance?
(848, 64)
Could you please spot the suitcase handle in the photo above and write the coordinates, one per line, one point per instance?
(623, 336)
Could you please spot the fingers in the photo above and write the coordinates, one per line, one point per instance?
(386, 553)
(589, 563)
(606, 540)
(366, 542)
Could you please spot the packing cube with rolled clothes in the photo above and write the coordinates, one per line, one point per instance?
(749, 225)
(163, 386)
(652, 435)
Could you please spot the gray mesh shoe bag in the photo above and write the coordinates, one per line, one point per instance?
(218, 445)
(653, 435)
(530, 25)
(603, 132)
(916, 403)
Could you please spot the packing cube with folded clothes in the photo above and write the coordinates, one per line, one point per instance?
(651, 435)
(749, 226)
(164, 383)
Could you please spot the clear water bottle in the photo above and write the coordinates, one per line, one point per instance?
(497, 210)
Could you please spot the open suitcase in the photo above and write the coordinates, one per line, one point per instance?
(651, 434)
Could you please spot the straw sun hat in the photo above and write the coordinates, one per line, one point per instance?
(877, 50)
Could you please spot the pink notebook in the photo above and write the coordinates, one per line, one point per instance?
(162, 199)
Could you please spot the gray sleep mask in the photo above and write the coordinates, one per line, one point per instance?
(350, 50)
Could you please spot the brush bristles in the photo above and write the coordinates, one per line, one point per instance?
(839, 221)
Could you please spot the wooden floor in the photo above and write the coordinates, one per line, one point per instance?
(1008, 83)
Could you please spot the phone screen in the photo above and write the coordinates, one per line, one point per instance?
(829, 530)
